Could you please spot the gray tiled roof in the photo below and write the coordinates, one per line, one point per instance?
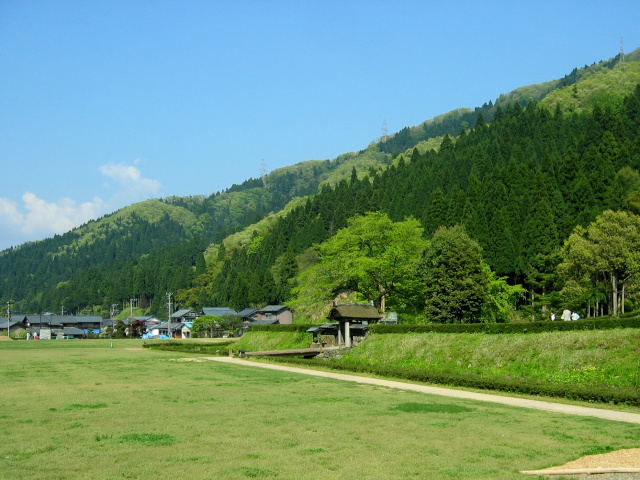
(181, 313)
(272, 309)
(67, 331)
(218, 311)
(247, 311)
(265, 322)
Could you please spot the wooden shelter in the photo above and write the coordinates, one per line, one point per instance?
(353, 321)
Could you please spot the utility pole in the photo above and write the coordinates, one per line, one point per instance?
(169, 318)
(8, 317)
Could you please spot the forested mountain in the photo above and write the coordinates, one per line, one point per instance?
(519, 174)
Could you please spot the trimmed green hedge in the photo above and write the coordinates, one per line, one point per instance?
(589, 394)
(279, 328)
(496, 328)
(186, 347)
(598, 323)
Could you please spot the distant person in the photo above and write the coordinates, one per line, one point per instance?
(575, 316)
(553, 317)
(566, 315)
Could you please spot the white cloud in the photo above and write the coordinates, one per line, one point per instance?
(131, 179)
(57, 217)
(36, 218)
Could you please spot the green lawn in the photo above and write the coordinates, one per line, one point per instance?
(81, 409)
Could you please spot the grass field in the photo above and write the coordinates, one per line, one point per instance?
(81, 409)
(608, 358)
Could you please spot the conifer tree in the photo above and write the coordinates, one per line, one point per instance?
(453, 275)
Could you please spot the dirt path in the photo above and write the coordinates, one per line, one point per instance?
(448, 392)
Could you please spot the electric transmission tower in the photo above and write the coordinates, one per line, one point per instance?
(263, 174)
(385, 132)
(621, 50)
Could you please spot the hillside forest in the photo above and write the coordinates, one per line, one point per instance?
(529, 204)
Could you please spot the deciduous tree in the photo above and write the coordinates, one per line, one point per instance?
(608, 250)
(373, 256)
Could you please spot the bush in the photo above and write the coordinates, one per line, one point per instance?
(598, 323)
(279, 328)
(220, 348)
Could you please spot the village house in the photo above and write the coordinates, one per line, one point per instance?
(280, 313)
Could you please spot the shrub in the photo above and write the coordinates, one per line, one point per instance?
(497, 328)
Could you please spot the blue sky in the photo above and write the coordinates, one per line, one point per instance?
(107, 103)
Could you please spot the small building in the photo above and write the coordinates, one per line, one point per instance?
(325, 334)
(178, 319)
(67, 333)
(11, 326)
(275, 312)
(171, 330)
(353, 321)
(390, 318)
(185, 331)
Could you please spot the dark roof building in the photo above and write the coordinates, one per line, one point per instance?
(219, 311)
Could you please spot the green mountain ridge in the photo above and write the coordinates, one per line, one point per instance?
(240, 217)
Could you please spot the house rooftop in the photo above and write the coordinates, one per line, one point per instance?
(272, 308)
(181, 313)
(271, 321)
(218, 311)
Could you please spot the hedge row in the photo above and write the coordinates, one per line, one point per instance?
(573, 392)
(189, 347)
(496, 328)
(597, 323)
(280, 328)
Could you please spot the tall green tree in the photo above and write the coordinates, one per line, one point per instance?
(608, 250)
(454, 276)
(372, 256)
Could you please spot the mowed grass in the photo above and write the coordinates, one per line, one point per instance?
(81, 409)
